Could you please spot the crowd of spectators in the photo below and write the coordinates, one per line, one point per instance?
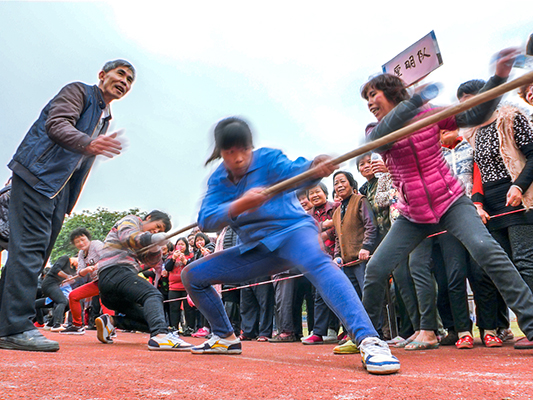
(424, 303)
(427, 299)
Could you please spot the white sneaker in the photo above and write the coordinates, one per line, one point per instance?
(377, 358)
(57, 328)
(104, 328)
(171, 341)
(331, 337)
(217, 345)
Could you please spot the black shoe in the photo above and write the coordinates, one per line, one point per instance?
(450, 339)
(505, 334)
(284, 338)
(73, 330)
(187, 331)
(31, 340)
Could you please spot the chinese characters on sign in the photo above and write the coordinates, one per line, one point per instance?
(417, 61)
(410, 62)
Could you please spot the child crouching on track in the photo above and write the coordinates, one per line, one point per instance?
(138, 304)
(275, 234)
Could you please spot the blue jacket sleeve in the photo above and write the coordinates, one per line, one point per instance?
(214, 211)
(281, 168)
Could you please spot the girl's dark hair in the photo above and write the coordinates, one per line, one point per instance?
(184, 240)
(170, 247)
(322, 186)
(349, 177)
(202, 235)
(157, 215)
(230, 132)
(393, 88)
(470, 87)
(79, 232)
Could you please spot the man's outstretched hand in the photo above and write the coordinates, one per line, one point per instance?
(108, 146)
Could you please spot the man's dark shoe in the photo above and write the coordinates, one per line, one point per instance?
(31, 340)
(523, 344)
(450, 339)
(505, 334)
(284, 338)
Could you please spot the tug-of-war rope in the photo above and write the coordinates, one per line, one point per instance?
(391, 137)
(396, 135)
(349, 264)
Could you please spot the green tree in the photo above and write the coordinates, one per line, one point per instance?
(98, 223)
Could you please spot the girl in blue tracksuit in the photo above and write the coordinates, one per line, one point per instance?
(275, 234)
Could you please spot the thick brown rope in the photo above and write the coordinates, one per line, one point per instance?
(391, 137)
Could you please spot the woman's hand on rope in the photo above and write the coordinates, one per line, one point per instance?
(482, 213)
(364, 255)
(514, 197)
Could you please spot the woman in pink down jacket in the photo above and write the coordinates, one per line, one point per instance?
(431, 199)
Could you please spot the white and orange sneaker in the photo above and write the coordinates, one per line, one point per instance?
(171, 341)
(105, 331)
(217, 345)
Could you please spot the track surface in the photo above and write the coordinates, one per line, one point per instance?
(86, 369)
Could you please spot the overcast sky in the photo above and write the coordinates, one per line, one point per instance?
(293, 69)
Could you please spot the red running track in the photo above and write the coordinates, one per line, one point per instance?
(86, 369)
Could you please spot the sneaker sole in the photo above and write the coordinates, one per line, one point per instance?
(6, 345)
(221, 352)
(345, 352)
(152, 348)
(72, 333)
(216, 350)
(382, 369)
(100, 328)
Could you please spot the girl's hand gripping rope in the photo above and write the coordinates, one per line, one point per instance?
(249, 201)
(323, 166)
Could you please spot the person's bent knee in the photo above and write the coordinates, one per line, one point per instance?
(149, 296)
(62, 301)
(185, 277)
(375, 271)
